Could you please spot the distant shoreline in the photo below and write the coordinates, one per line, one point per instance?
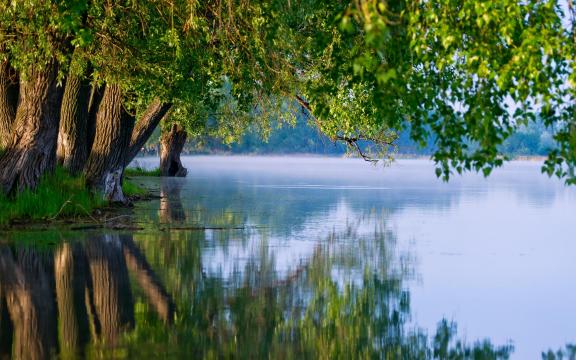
(535, 158)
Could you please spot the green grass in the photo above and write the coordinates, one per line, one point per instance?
(57, 195)
(140, 171)
(131, 189)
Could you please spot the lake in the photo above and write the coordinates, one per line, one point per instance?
(305, 257)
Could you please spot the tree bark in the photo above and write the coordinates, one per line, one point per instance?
(171, 145)
(106, 162)
(70, 273)
(95, 99)
(145, 126)
(8, 101)
(148, 281)
(111, 293)
(73, 135)
(30, 301)
(31, 150)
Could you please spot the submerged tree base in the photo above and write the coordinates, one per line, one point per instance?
(58, 196)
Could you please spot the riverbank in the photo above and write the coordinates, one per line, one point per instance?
(63, 200)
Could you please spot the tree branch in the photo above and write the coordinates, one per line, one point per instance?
(350, 141)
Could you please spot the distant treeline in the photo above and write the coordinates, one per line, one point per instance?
(303, 138)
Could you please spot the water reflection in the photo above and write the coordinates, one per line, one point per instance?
(345, 300)
(101, 295)
(62, 299)
(171, 209)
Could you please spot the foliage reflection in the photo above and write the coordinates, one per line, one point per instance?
(151, 294)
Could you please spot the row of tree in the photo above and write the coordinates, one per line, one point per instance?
(85, 83)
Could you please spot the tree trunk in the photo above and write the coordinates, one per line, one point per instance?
(70, 273)
(8, 101)
(30, 301)
(171, 145)
(148, 281)
(106, 162)
(31, 150)
(145, 127)
(111, 293)
(93, 106)
(73, 136)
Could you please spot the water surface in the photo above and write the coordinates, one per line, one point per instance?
(306, 257)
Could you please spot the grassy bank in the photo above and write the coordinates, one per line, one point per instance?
(58, 195)
(140, 171)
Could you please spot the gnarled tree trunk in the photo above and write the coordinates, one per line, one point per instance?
(145, 127)
(8, 100)
(171, 145)
(111, 294)
(73, 135)
(106, 162)
(70, 270)
(31, 150)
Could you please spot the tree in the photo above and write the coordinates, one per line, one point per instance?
(35, 38)
(73, 134)
(171, 145)
(468, 74)
(362, 70)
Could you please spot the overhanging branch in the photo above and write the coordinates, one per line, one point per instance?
(350, 141)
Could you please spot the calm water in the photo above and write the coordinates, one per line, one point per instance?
(305, 258)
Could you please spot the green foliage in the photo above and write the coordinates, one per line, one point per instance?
(58, 195)
(468, 74)
(489, 80)
(35, 33)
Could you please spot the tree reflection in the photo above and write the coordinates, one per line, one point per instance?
(70, 269)
(60, 301)
(344, 300)
(568, 353)
(171, 209)
(27, 284)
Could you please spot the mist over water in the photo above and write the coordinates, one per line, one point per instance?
(307, 257)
